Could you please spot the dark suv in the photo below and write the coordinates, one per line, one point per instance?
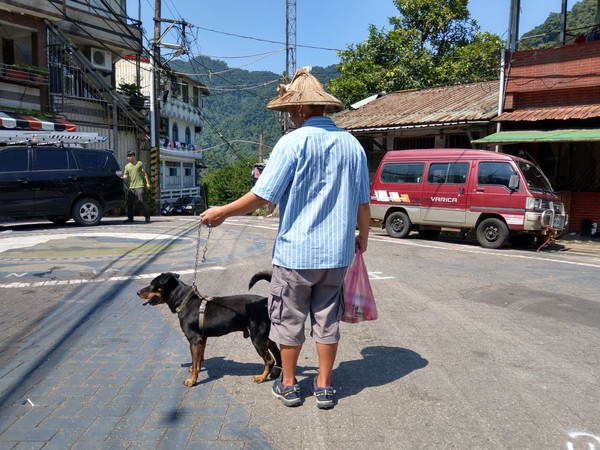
(59, 183)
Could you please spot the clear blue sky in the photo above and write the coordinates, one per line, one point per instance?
(237, 31)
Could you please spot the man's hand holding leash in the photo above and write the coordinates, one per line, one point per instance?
(216, 215)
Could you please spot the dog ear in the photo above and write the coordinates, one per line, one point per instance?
(164, 278)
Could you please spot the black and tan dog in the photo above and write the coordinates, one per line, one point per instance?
(202, 317)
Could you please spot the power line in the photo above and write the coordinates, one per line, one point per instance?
(266, 40)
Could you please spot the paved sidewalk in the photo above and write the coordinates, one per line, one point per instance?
(110, 376)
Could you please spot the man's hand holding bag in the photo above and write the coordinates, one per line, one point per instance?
(359, 302)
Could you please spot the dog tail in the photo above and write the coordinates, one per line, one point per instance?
(264, 275)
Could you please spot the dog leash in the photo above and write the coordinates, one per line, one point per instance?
(194, 287)
(204, 300)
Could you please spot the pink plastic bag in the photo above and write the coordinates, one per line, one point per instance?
(359, 302)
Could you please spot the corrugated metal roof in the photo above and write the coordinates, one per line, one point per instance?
(516, 137)
(451, 104)
(566, 112)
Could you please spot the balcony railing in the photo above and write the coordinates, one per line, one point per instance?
(24, 74)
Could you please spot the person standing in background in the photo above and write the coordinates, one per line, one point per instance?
(135, 173)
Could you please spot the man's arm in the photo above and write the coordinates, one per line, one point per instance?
(247, 203)
(363, 220)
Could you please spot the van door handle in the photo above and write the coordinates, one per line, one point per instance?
(461, 192)
(479, 190)
(23, 180)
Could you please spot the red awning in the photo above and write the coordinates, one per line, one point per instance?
(14, 121)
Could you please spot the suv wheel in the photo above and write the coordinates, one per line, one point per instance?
(87, 211)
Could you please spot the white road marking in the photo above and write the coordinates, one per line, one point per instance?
(13, 242)
(98, 280)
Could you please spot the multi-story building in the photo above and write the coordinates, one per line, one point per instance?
(57, 69)
(180, 157)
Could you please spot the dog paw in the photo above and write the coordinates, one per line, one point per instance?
(259, 379)
(190, 382)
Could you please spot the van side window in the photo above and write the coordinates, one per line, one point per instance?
(494, 173)
(14, 160)
(448, 173)
(53, 159)
(402, 173)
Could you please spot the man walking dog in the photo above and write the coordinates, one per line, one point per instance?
(319, 177)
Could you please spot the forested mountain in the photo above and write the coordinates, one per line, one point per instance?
(580, 20)
(236, 110)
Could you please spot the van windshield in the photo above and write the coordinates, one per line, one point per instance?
(536, 180)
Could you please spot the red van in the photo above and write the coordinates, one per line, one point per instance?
(498, 196)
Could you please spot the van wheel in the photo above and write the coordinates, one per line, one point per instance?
(492, 233)
(521, 240)
(87, 211)
(429, 234)
(398, 224)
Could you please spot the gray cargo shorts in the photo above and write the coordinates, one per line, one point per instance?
(296, 294)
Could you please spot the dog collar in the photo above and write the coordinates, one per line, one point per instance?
(185, 301)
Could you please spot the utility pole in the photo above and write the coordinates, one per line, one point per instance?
(260, 147)
(290, 53)
(154, 104)
(155, 62)
(290, 39)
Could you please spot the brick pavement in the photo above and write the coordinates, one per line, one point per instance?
(103, 380)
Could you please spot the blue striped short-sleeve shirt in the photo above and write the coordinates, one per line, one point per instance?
(318, 176)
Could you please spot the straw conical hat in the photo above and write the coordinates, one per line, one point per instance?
(304, 89)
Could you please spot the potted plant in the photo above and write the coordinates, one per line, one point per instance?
(132, 90)
(16, 72)
(38, 74)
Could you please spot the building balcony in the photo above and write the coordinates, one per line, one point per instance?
(24, 74)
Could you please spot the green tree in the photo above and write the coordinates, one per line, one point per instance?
(431, 43)
(228, 183)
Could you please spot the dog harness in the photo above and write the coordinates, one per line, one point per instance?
(201, 310)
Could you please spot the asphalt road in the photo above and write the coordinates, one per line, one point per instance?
(473, 348)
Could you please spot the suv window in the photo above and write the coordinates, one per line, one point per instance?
(52, 158)
(494, 173)
(448, 173)
(402, 173)
(95, 160)
(14, 160)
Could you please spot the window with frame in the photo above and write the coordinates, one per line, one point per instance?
(448, 173)
(172, 178)
(15, 160)
(402, 173)
(48, 158)
(195, 96)
(185, 92)
(498, 173)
